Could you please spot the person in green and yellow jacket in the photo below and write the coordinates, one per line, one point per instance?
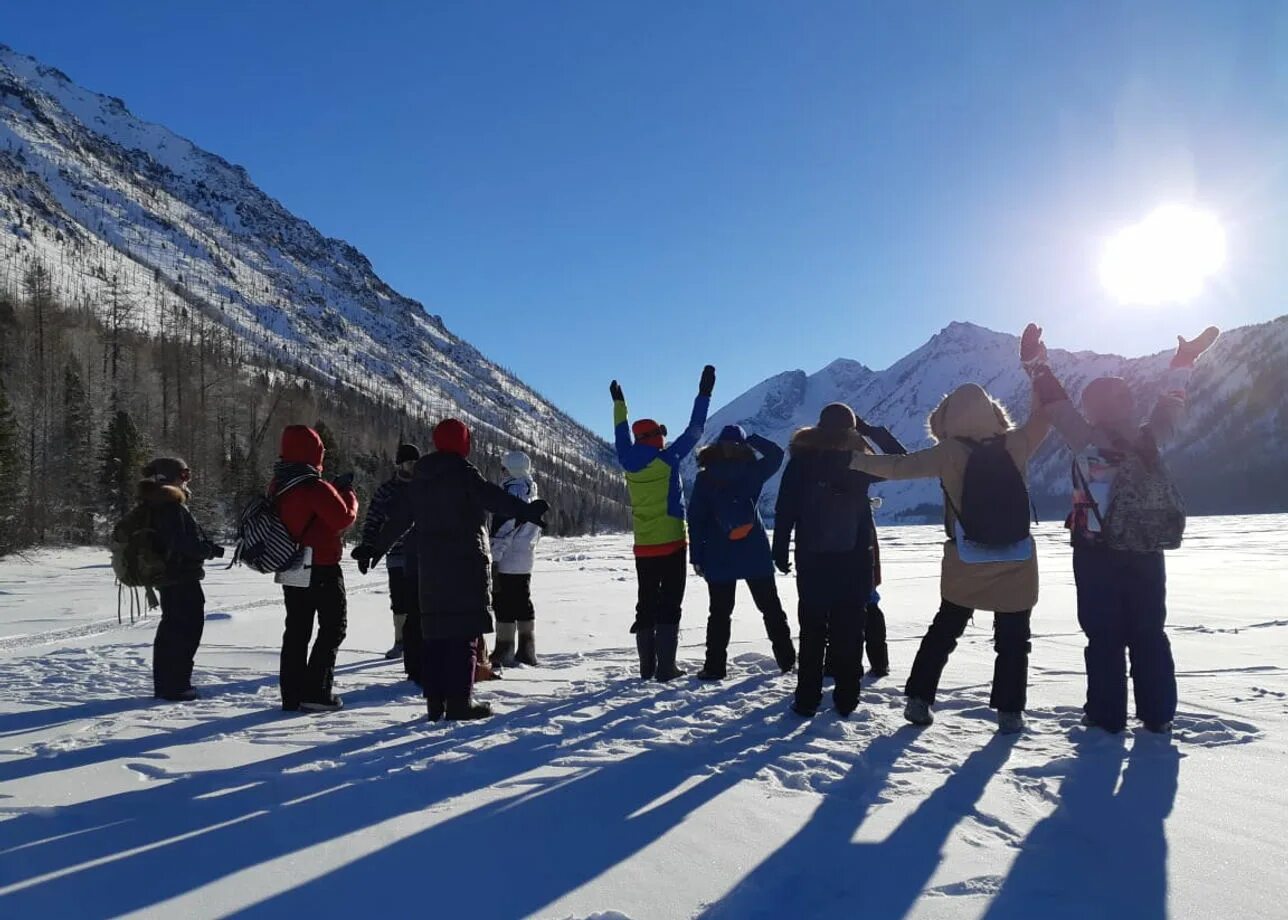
(657, 504)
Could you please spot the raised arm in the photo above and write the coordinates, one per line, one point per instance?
(921, 464)
(684, 444)
(1169, 411)
(771, 456)
(1035, 430)
(886, 442)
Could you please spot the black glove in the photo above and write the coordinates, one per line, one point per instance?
(707, 385)
(615, 391)
(214, 551)
(783, 562)
(536, 512)
(362, 554)
(343, 482)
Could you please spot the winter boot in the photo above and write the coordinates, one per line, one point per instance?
(785, 655)
(182, 696)
(712, 672)
(394, 653)
(334, 704)
(647, 649)
(436, 708)
(503, 653)
(464, 709)
(666, 639)
(1159, 728)
(918, 712)
(1010, 723)
(527, 653)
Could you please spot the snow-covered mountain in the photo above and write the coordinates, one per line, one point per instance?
(1232, 456)
(94, 193)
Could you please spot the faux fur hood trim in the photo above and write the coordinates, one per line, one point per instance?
(150, 491)
(813, 439)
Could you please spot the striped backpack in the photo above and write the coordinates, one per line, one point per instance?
(263, 542)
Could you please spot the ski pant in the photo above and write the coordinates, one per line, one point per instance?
(402, 598)
(764, 593)
(183, 619)
(307, 677)
(1010, 667)
(449, 668)
(832, 589)
(512, 598)
(1122, 609)
(874, 638)
(661, 589)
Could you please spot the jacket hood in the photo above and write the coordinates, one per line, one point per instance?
(819, 439)
(301, 444)
(969, 412)
(725, 452)
(154, 492)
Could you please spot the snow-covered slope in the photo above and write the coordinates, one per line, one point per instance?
(93, 192)
(1233, 455)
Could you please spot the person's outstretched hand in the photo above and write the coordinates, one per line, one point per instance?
(707, 385)
(537, 512)
(615, 391)
(1033, 350)
(1189, 352)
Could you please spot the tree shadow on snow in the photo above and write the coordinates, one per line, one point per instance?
(1103, 851)
(133, 850)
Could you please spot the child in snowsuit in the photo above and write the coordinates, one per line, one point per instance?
(825, 503)
(185, 548)
(514, 545)
(968, 419)
(657, 505)
(729, 542)
(1118, 564)
(402, 577)
(316, 513)
(448, 505)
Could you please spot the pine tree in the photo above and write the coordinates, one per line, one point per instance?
(75, 453)
(123, 456)
(337, 458)
(10, 474)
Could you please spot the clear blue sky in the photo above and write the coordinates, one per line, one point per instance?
(605, 189)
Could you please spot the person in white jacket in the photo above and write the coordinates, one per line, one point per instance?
(514, 545)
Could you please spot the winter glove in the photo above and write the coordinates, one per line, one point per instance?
(615, 391)
(536, 512)
(1189, 352)
(362, 555)
(343, 482)
(707, 385)
(782, 562)
(1033, 351)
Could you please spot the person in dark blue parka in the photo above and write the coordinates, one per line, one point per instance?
(729, 542)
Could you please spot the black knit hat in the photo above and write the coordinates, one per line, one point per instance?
(166, 469)
(836, 417)
(407, 453)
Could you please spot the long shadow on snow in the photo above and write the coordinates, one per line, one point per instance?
(1103, 851)
(170, 838)
(820, 872)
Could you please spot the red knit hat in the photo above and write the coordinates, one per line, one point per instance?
(452, 437)
(301, 444)
(647, 431)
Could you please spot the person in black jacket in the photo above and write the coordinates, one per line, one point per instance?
(825, 503)
(185, 548)
(448, 504)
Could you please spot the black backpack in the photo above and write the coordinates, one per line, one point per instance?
(995, 501)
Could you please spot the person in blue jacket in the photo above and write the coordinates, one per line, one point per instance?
(729, 543)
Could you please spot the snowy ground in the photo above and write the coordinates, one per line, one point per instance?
(596, 793)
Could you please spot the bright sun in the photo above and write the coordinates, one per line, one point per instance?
(1166, 258)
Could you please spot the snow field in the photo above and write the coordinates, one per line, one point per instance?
(593, 794)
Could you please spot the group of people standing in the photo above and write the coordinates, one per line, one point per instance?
(1126, 513)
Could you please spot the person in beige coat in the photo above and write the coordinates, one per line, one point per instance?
(1007, 585)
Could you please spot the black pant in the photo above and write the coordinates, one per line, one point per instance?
(874, 638)
(307, 677)
(404, 600)
(833, 589)
(764, 593)
(183, 619)
(449, 668)
(661, 589)
(1122, 609)
(1010, 668)
(512, 598)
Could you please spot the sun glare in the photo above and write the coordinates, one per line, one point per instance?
(1166, 258)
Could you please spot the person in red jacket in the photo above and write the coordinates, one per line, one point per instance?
(316, 513)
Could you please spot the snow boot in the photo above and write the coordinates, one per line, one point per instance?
(527, 653)
(183, 696)
(647, 649)
(394, 653)
(503, 651)
(918, 712)
(436, 708)
(805, 712)
(666, 639)
(712, 672)
(785, 655)
(464, 709)
(1159, 728)
(334, 704)
(1010, 723)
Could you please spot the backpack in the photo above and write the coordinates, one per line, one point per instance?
(995, 501)
(263, 542)
(1146, 512)
(137, 558)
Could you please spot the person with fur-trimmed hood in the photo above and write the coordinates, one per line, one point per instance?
(514, 545)
(1126, 512)
(965, 421)
(185, 548)
(448, 505)
(825, 503)
(729, 543)
(402, 577)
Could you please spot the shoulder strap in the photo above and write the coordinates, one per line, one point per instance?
(1090, 499)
